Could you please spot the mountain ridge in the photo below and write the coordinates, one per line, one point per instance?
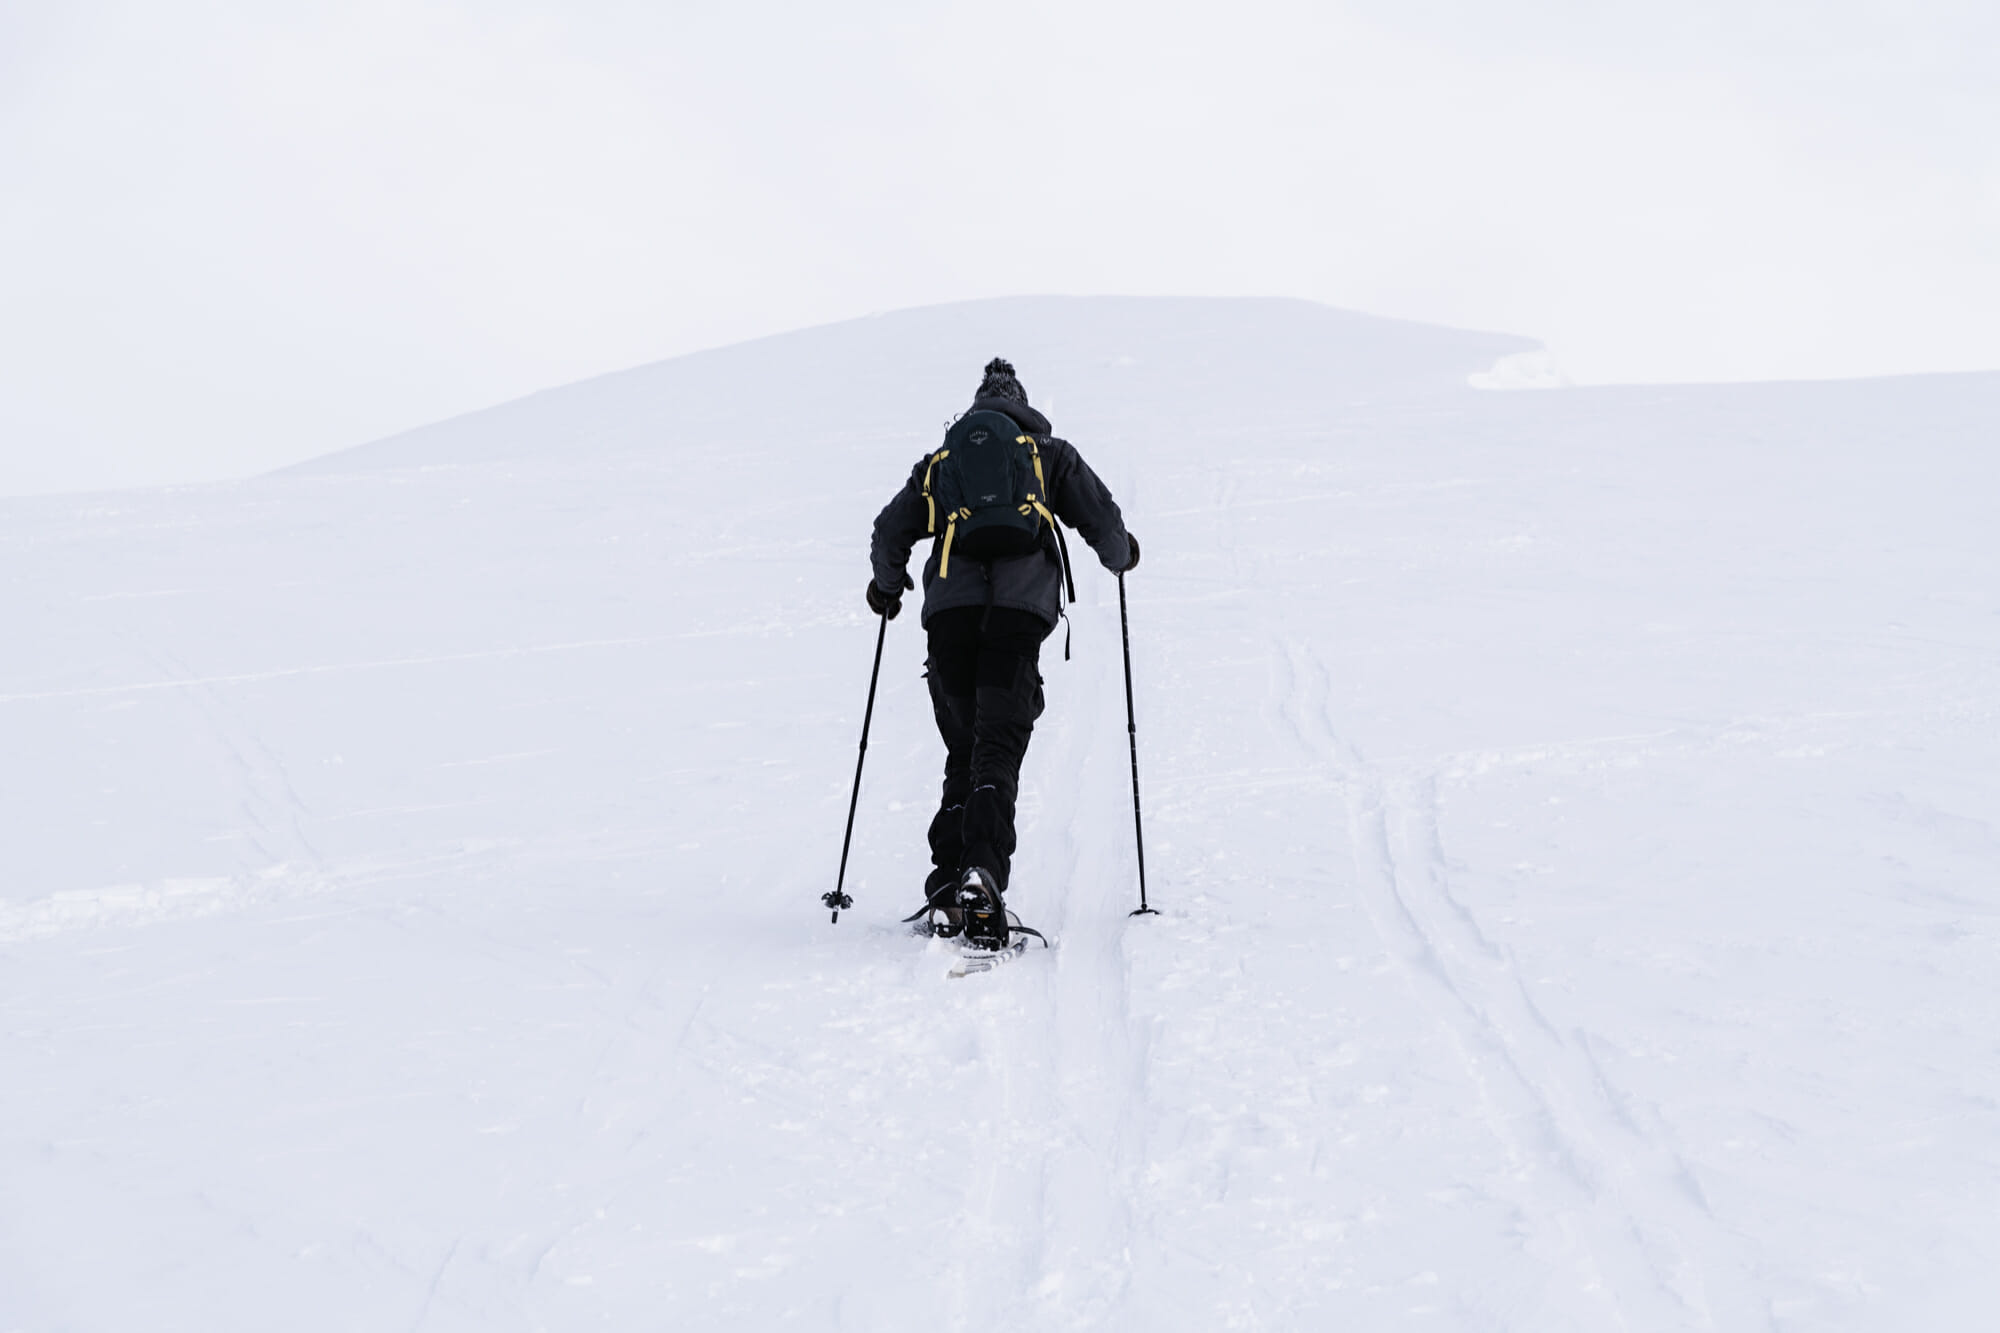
(1083, 358)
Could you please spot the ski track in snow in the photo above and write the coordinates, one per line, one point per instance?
(1098, 1077)
(1045, 1236)
(270, 804)
(1602, 1188)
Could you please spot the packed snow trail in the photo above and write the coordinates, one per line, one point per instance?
(1570, 814)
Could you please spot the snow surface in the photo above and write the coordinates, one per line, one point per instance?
(1573, 815)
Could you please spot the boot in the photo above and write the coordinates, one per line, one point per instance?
(941, 898)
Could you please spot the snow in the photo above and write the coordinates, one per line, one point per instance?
(1571, 814)
(1522, 370)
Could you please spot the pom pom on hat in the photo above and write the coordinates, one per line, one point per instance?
(999, 382)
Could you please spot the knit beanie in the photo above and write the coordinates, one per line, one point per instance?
(1000, 383)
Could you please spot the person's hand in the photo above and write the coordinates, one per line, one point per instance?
(887, 605)
(1133, 563)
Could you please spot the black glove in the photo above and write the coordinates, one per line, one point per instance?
(1134, 562)
(882, 603)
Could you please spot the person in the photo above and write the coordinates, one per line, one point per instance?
(984, 626)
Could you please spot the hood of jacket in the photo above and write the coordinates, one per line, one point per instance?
(1027, 418)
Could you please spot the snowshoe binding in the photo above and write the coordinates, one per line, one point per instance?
(981, 911)
(939, 917)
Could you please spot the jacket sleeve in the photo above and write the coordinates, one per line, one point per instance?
(1084, 502)
(902, 523)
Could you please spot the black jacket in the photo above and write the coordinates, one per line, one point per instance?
(1026, 582)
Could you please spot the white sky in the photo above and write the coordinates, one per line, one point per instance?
(233, 235)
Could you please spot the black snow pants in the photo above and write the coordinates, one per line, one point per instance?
(986, 692)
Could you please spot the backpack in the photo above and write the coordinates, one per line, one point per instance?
(986, 487)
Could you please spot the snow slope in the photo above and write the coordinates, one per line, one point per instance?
(1573, 815)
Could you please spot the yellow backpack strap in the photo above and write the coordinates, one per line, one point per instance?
(930, 504)
(1039, 500)
(1034, 450)
(950, 530)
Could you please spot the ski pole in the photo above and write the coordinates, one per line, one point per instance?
(1132, 732)
(838, 899)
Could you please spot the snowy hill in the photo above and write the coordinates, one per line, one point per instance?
(1572, 814)
(1107, 364)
